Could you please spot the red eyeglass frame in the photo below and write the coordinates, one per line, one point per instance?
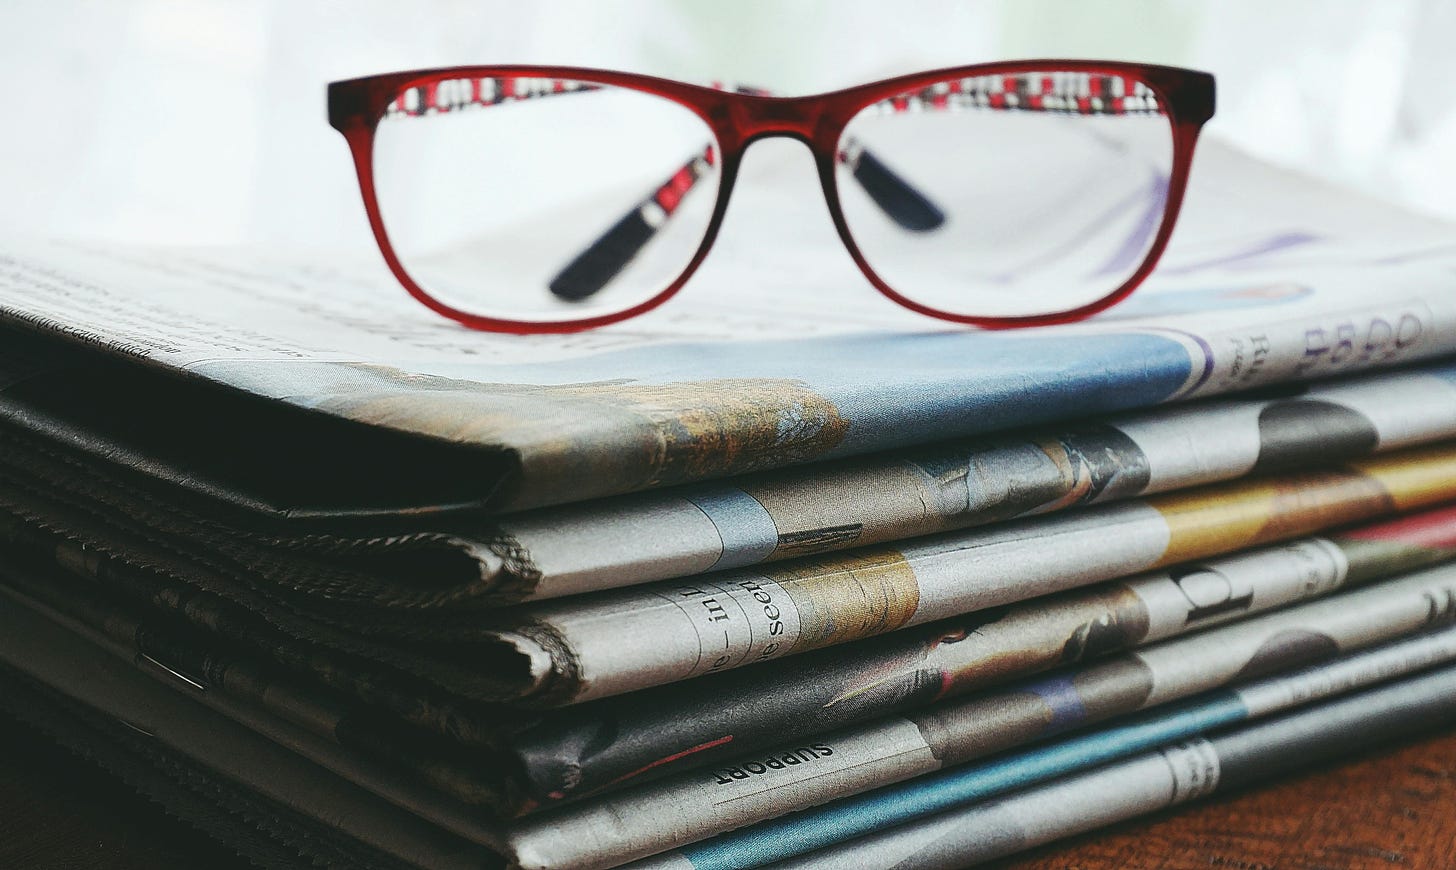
(736, 119)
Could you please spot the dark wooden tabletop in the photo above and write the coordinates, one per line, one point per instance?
(1393, 808)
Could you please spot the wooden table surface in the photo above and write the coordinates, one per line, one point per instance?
(1392, 808)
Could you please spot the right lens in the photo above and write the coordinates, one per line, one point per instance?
(1047, 189)
(542, 200)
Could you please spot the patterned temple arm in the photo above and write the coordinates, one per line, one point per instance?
(1064, 92)
(609, 254)
(604, 258)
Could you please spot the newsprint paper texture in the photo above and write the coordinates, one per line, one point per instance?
(228, 759)
(1270, 277)
(533, 763)
(644, 734)
(613, 642)
(830, 506)
(104, 676)
(878, 810)
(1147, 783)
(691, 806)
(482, 563)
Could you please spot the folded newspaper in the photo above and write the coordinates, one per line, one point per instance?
(1271, 277)
(577, 600)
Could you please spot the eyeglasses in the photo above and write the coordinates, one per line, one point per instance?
(545, 199)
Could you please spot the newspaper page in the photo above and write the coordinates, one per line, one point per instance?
(1165, 778)
(1270, 277)
(879, 810)
(694, 805)
(429, 563)
(617, 741)
(577, 649)
(831, 506)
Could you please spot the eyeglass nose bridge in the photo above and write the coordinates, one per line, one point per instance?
(760, 117)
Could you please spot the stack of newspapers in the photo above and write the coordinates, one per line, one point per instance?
(776, 576)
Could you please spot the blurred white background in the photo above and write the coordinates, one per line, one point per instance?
(202, 121)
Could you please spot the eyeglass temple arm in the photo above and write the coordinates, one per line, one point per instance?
(609, 254)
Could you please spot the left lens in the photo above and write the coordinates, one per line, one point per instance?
(1049, 188)
(538, 200)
